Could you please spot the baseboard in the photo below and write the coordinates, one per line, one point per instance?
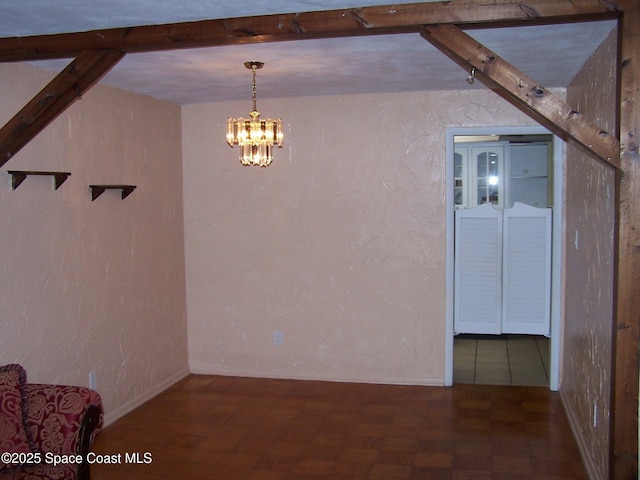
(229, 372)
(587, 460)
(121, 411)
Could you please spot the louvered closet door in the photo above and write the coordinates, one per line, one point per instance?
(478, 270)
(526, 294)
(503, 270)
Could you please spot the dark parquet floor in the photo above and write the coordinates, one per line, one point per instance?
(229, 428)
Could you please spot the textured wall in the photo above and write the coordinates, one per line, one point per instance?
(590, 213)
(340, 243)
(95, 286)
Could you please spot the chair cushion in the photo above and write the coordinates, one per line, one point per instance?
(14, 435)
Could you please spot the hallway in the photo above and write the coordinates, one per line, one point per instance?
(501, 360)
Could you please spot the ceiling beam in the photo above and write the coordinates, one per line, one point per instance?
(544, 106)
(291, 26)
(55, 98)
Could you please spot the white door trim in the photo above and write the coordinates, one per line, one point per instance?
(558, 235)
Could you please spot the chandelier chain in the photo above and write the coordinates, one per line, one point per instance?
(255, 108)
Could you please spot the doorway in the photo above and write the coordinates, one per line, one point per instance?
(501, 359)
(479, 172)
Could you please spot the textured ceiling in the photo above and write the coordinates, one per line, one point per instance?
(552, 55)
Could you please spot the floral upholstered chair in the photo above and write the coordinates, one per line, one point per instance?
(46, 431)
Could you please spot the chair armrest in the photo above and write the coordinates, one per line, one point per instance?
(91, 424)
(61, 418)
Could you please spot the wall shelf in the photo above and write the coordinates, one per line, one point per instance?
(97, 190)
(18, 176)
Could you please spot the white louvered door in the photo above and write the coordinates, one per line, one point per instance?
(502, 270)
(478, 270)
(526, 286)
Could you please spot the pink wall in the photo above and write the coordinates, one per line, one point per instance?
(590, 214)
(95, 286)
(340, 243)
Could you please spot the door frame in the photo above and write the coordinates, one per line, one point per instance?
(555, 341)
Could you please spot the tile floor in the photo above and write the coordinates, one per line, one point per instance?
(501, 360)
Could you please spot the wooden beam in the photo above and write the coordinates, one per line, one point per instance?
(532, 98)
(291, 26)
(627, 332)
(56, 97)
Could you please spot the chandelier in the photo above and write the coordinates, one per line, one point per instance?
(255, 137)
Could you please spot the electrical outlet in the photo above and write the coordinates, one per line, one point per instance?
(278, 337)
(93, 380)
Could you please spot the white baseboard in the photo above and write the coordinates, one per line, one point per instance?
(113, 415)
(203, 369)
(587, 460)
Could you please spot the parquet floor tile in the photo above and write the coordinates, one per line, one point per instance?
(226, 428)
